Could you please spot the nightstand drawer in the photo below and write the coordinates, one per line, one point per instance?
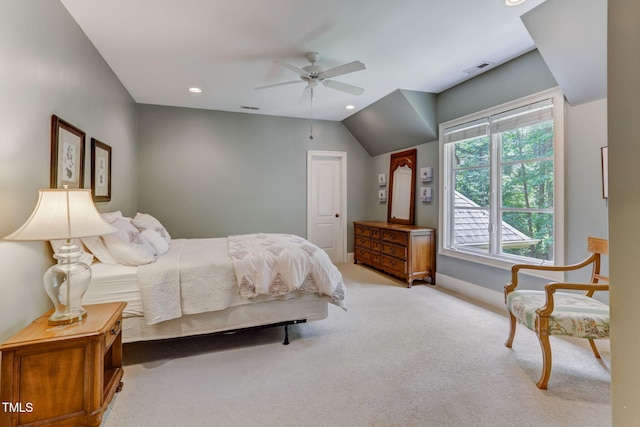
(113, 332)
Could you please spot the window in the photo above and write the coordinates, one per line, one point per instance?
(502, 183)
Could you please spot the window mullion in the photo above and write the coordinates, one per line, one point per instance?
(495, 185)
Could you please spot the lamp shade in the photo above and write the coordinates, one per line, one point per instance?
(62, 214)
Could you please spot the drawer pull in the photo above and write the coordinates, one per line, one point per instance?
(116, 328)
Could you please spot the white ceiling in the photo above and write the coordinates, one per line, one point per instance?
(160, 48)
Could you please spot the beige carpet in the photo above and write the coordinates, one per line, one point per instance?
(398, 357)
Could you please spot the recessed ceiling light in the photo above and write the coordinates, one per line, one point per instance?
(513, 2)
(195, 90)
(349, 107)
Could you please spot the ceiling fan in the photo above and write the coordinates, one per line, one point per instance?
(313, 74)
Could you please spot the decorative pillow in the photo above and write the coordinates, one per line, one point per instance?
(127, 245)
(111, 216)
(146, 221)
(85, 257)
(99, 250)
(157, 241)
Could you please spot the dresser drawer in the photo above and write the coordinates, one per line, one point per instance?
(361, 230)
(375, 246)
(392, 236)
(363, 242)
(375, 233)
(394, 264)
(395, 250)
(361, 254)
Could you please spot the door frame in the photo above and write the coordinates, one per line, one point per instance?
(342, 221)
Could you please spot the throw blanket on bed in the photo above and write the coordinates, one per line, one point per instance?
(276, 264)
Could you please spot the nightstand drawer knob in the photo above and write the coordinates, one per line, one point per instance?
(116, 328)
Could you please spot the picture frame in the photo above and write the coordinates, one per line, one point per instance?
(426, 174)
(382, 179)
(604, 158)
(425, 194)
(67, 154)
(100, 171)
(382, 196)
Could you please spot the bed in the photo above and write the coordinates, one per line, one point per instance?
(190, 287)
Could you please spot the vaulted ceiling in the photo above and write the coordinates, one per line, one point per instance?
(158, 49)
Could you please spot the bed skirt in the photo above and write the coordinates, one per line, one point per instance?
(135, 328)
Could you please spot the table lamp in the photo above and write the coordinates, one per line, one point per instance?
(64, 214)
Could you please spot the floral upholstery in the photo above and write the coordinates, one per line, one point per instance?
(573, 314)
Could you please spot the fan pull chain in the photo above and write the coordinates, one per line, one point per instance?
(311, 120)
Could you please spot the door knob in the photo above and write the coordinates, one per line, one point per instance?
(337, 215)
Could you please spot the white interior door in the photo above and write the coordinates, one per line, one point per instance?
(326, 202)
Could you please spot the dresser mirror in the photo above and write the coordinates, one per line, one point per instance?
(402, 188)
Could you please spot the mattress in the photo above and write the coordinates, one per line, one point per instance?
(110, 283)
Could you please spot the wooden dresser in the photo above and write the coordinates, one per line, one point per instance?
(404, 251)
(63, 375)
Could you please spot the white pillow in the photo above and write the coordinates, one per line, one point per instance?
(157, 241)
(111, 216)
(85, 256)
(127, 245)
(146, 221)
(99, 250)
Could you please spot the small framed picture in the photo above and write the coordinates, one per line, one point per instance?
(382, 179)
(100, 171)
(382, 195)
(425, 194)
(426, 174)
(67, 154)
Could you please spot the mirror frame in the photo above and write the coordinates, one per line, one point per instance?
(403, 158)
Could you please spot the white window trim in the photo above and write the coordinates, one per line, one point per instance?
(559, 201)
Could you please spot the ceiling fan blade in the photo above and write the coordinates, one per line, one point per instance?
(344, 87)
(293, 68)
(344, 69)
(279, 84)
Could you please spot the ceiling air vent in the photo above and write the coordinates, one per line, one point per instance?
(246, 107)
(479, 67)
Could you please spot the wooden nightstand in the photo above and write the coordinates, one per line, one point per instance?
(62, 375)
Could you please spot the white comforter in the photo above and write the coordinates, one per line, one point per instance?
(197, 276)
(276, 264)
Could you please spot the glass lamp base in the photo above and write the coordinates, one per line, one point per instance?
(69, 317)
(65, 283)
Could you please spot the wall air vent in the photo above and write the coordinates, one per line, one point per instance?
(247, 107)
(479, 67)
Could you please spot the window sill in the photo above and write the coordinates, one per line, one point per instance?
(556, 276)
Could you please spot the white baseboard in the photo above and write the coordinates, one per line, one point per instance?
(481, 294)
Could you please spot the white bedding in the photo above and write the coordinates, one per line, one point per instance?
(195, 276)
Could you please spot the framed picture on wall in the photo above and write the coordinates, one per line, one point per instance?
(100, 171)
(67, 154)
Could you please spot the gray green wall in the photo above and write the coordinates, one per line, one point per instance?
(211, 173)
(585, 133)
(48, 66)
